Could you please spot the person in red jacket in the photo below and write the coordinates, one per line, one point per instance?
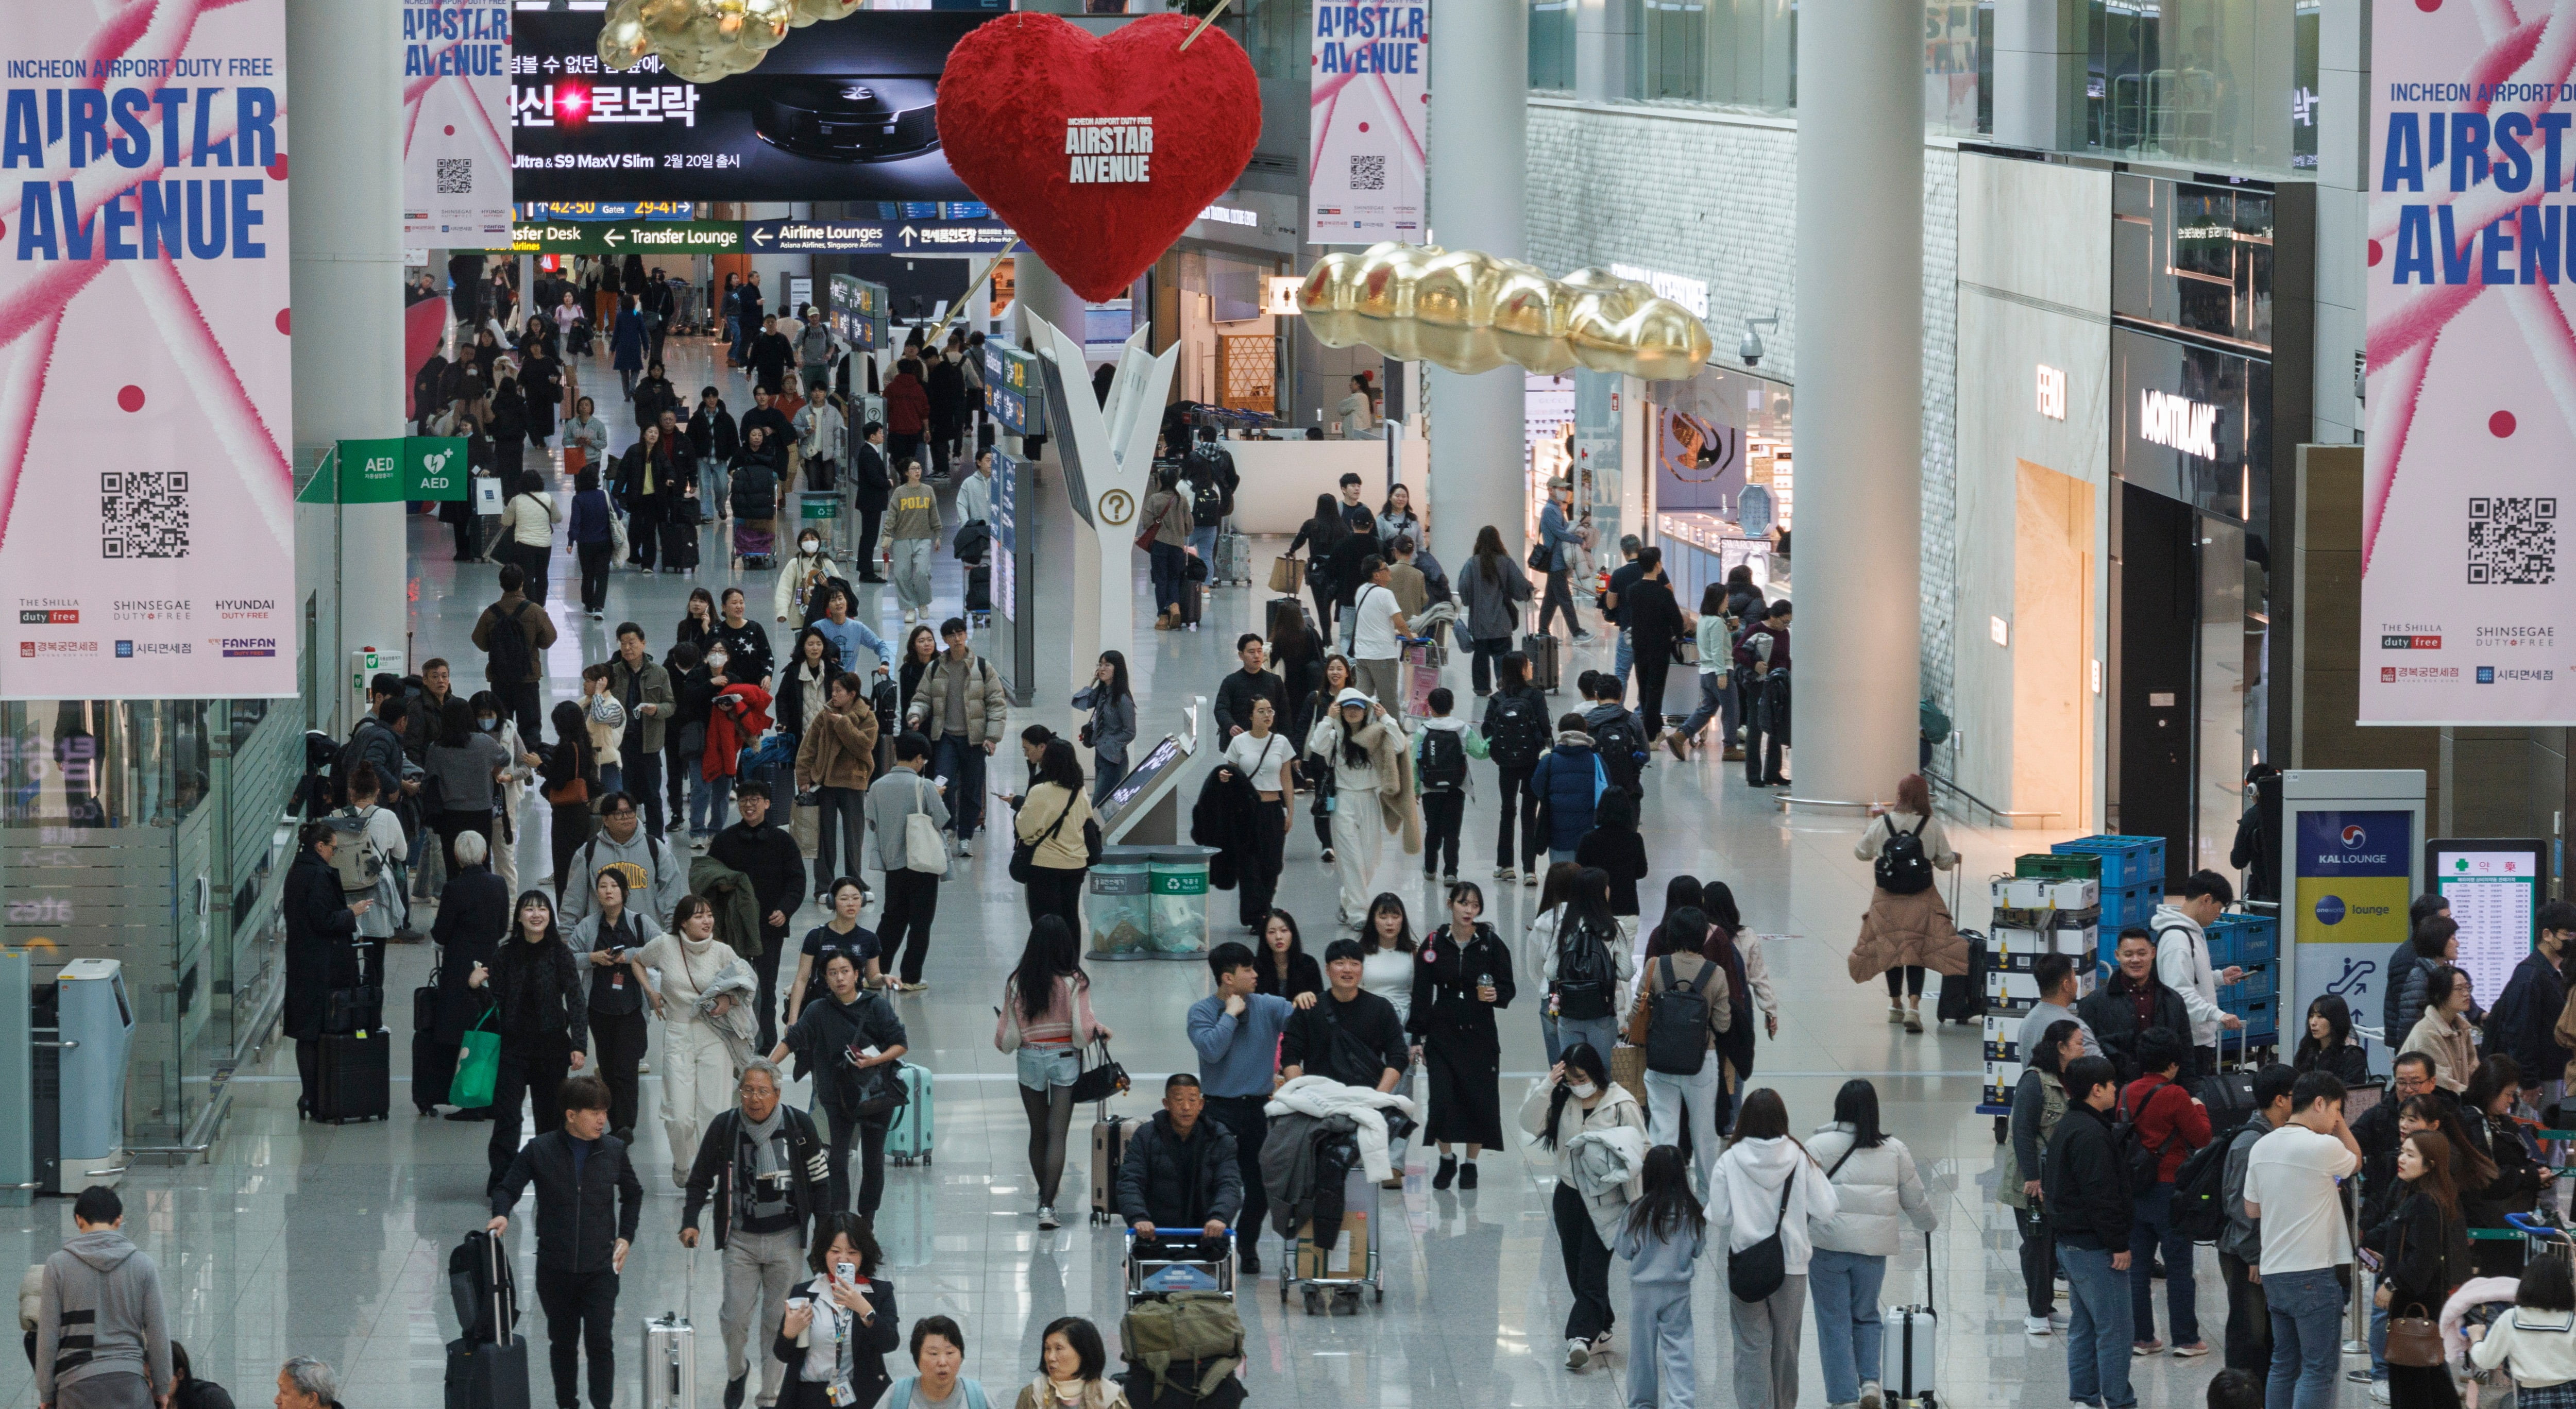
(2172, 1122)
(907, 412)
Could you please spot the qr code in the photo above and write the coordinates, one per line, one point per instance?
(2513, 542)
(143, 514)
(456, 176)
(1368, 173)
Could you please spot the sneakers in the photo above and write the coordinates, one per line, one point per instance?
(1578, 1353)
(2036, 1326)
(1448, 878)
(2186, 1352)
(1047, 1219)
(2379, 1391)
(1871, 1396)
(1896, 1012)
(1328, 856)
(2146, 1347)
(1601, 1343)
(1914, 1020)
(1529, 877)
(733, 1391)
(1505, 873)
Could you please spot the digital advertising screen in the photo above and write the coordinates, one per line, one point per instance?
(2494, 887)
(844, 111)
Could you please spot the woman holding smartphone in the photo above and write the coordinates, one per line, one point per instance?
(841, 1040)
(1462, 976)
(839, 1325)
(605, 937)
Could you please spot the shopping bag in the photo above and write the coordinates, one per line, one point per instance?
(478, 1068)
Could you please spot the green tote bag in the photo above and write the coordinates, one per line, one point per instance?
(478, 1069)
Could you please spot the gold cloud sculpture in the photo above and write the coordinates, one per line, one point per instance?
(1472, 312)
(705, 40)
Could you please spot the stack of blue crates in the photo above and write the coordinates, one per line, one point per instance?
(2252, 943)
(2133, 880)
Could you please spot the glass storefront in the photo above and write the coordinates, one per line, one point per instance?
(1722, 490)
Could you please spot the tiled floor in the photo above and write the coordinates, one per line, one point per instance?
(303, 1238)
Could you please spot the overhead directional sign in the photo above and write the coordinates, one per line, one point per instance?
(623, 237)
(608, 210)
(878, 237)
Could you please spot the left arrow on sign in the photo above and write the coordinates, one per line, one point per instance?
(612, 237)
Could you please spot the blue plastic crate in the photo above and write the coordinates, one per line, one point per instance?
(2245, 940)
(2261, 982)
(2126, 861)
(2130, 905)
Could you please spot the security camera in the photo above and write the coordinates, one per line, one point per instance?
(1749, 351)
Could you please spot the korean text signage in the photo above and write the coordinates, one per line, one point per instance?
(145, 488)
(2349, 905)
(2462, 590)
(2494, 894)
(1014, 389)
(456, 124)
(1368, 95)
(878, 237)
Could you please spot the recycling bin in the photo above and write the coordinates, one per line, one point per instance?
(1179, 882)
(1121, 912)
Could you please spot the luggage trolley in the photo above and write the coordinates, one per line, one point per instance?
(1154, 1276)
(1341, 1294)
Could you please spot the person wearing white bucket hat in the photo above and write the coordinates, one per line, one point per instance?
(1361, 744)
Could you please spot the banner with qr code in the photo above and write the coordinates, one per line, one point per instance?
(2470, 390)
(1368, 96)
(456, 124)
(146, 530)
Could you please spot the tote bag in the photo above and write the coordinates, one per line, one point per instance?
(478, 1067)
(923, 848)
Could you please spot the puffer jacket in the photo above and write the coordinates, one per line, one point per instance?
(1569, 782)
(539, 989)
(1875, 1187)
(1616, 1108)
(1179, 1183)
(838, 749)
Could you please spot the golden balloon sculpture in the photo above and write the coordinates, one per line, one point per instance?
(1472, 312)
(704, 40)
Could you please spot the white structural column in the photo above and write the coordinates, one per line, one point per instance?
(1478, 176)
(1858, 663)
(344, 70)
(2040, 54)
(1070, 579)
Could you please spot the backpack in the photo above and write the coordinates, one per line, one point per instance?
(511, 654)
(2199, 1204)
(1444, 761)
(1585, 979)
(1621, 746)
(1200, 1329)
(2140, 1158)
(360, 862)
(1903, 868)
(1517, 725)
(1677, 1025)
(1207, 503)
(755, 491)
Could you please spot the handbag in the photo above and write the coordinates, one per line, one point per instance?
(1754, 1273)
(1024, 854)
(478, 1066)
(1287, 574)
(1542, 558)
(1196, 569)
(616, 536)
(1146, 535)
(2416, 1341)
(1686, 650)
(1091, 845)
(923, 848)
(1100, 1080)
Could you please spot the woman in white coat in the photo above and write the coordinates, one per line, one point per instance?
(1767, 1182)
(697, 1063)
(1372, 773)
(1578, 1099)
(1879, 1188)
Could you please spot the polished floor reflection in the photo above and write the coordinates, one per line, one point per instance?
(299, 1238)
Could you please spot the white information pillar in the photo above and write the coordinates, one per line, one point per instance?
(1478, 176)
(1859, 358)
(1105, 453)
(344, 66)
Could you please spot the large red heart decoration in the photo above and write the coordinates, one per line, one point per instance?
(1099, 151)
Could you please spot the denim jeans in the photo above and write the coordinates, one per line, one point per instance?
(962, 764)
(1623, 657)
(2152, 1229)
(1844, 1286)
(2097, 1336)
(2307, 1338)
(1716, 701)
(715, 487)
(707, 804)
(1204, 539)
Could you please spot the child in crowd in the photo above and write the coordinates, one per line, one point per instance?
(1665, 1234)
(1441, 748)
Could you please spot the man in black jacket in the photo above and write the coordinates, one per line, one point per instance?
(764, 416)
(2376, 1132)
(871, 487)
(764, 1165)
(1234, 696)
(842, 1040)
(588, 1203)
(2523, 1024)
(771, 355)
(1350, 1035)
(2084, 1184)
(2121, 1010)
(762, 850)
(1182, 1172)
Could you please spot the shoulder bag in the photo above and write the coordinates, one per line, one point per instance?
(1099, 1080)
(1024, 854)
(2414, 1335)
(1756, 1272)
(923, 848)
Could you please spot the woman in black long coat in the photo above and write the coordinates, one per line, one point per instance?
(320, 921)
(473, 919)
(1462, 976)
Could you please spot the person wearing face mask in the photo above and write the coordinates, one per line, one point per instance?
(1576, 1107)
(809, 570)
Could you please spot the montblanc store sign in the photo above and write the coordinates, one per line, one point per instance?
(2189, 421)
(2178, 423)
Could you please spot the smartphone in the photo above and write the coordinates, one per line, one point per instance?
(847, 1272)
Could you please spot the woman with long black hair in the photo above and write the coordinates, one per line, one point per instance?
(535, 988)
(1050, 821)
(1386, 969)
(1045, 1023)
(1876, 1182)
(1112, 726)
(1462, 976)
(1337, 677)
(2423, 1245)
(1578, 1096)
(1319, 536)
(1517, 734)
(570, 774)
(1495, 589)
(2328, 1046)
(1283, 968)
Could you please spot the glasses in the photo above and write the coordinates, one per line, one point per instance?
(620, 812)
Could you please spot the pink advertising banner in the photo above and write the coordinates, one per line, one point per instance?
(146, 535)
(456, 124)
(2470, 394)
(1368, 96)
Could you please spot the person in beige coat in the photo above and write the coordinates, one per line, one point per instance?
(2444, 1033)
(1902, 935)
(833, 760)
(1368, 757)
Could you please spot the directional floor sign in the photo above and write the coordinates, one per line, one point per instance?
(878, 237)
(623, 237)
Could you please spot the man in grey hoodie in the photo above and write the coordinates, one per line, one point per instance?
(102, 1338)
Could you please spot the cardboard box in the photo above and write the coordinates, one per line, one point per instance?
(2002, 1076)
(1348, 1256)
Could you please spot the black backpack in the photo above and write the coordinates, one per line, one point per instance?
(1517, 726)
(510, 653)
(2136, 1155)
(1586, 982)
(1207, 503)
(1903, 867)
(1444, 761)
(1623, 750)
(2199, 1204)
(1677, 1025)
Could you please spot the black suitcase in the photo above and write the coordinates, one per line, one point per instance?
(482, 1375)
(356, 1080)
(679, 545)
(979, 588)
(2228, 1093)
(1547, 667)
(1963, 998)
(484, 1287)
(433, 1064)
(1191, 595)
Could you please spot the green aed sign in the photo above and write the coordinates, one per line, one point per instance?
(394, 471)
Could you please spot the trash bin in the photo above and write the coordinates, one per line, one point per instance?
(820, 510)
(1180, 901)
(1121, 908)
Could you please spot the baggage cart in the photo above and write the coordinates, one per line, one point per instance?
(1173, 1262)
(1332, 1278)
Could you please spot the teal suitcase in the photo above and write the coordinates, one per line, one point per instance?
(908, 1140)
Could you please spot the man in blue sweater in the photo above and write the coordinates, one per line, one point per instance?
(1236, 1032)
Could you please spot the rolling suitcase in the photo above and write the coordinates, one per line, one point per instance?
(671, 1353)
(1233, 566)
(483, 1375)
(2228, 1092)
(484, 1287)
(1547, 667)
(1193, 598)
(979, 588)
(357, 1078)
(1109, 1137)
(909, 1138)
(433, 1065)
(1963, 999)
(679, 545)
(1912, 1339)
